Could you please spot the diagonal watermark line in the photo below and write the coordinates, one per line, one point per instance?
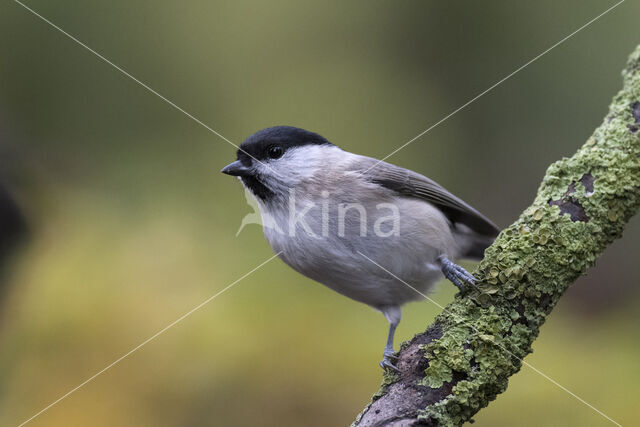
(144, 85)
(498, 83)
(145, 342)
(501, 346)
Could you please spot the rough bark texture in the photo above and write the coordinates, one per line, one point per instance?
(465, 358)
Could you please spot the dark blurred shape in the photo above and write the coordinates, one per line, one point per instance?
(13, 229)
(12, 223)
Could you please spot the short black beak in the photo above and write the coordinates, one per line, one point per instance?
(236, 169)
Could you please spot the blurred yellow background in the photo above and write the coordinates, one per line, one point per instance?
(132, 225)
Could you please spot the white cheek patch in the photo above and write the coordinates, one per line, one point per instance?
(298, 165)
(301, 163)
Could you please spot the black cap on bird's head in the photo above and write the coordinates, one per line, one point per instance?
(263, 147)
(270, 143)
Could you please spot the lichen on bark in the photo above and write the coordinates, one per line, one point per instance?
(465, 358)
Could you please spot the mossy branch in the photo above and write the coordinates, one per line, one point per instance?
(465, 358)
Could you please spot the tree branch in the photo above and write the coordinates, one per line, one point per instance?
(465, 358)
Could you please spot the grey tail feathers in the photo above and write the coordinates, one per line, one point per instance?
(475, 250)
(472, 244)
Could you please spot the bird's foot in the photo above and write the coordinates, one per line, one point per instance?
(388, 360)
(456, 274)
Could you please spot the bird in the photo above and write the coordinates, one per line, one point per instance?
(377, 233)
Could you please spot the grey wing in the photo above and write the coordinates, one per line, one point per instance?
(412, 184)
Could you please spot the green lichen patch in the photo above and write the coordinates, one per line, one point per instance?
(533, 262)
(489, 330)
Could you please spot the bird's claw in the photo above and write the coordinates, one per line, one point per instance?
(388, 359)
(455, 273)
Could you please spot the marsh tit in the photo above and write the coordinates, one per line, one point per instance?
(362, 227)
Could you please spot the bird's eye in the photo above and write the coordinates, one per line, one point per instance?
(275, 152)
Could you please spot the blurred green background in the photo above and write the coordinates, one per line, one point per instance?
(132, 225)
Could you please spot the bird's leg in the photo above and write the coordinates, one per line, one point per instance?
(456, 274)
(389, 355)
